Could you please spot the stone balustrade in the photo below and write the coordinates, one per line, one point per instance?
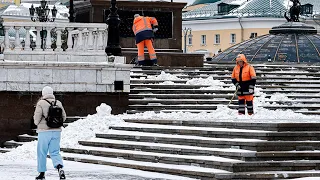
(77, 42)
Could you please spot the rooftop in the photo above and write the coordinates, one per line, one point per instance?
(247, 8)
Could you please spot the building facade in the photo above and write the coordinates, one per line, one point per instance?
(219, 25)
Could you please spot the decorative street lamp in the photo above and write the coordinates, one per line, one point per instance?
(71, 12)
(42, 15)
(113, 21)
(185, 33)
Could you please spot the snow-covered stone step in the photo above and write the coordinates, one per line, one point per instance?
(195, 131)
(227, 77)
(180, 91)
(160, 107)
(131, 111)
(208, 161)
(240, 124)
(232, 153)
(296, 101)
(214, 101)
(217, 91)
(215, 72)
(180, 101)
(219, 132)
(171, 86)
(188, 86)
(271, 175)
(317, 112)
(293, 107)
(303, 154)
(249, 144)
(12, 144)
(228, 81)
(223, 72)
(194, 107)
(182, 170)
(26, 138)
(205, 161)
(211, 96)
(71, 119)
(180, 96)
(4, 150)
(209, 67)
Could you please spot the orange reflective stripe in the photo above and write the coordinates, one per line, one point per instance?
(154, 21)
(140, 58)
(134, 28)
(143, 30)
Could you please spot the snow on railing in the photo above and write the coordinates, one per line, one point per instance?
(62, 36)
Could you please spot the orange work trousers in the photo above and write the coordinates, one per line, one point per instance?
(243, 100)
(146, 43)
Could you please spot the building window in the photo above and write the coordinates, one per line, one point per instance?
(307, 9)
(253, 35)
(203, 39)
(190, 40)
(233, 38)
(217, 39)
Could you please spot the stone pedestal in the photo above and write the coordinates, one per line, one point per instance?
(170, 37)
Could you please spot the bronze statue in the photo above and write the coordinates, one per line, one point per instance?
(294, 11)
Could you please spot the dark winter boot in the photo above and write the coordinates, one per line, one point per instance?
(61, 172)
(41, 176)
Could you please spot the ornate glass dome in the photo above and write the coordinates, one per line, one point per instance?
(204, 1)
(289, 42)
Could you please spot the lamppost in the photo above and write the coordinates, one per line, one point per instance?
(185, 33)
(42, 12)
(71, 12)
(113, 21)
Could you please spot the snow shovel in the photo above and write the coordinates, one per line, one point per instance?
(234, 95)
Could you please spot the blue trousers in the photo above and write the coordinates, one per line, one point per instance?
(48, 141)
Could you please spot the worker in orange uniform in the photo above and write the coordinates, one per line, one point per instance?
(143, 28)
(244, 78)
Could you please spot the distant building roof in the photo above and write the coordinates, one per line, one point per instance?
(247, 8)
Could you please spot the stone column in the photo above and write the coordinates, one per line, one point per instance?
(38, 39)
(59, 43)
(17, 42)
(6, 37)
(27, 42)
(48, 38)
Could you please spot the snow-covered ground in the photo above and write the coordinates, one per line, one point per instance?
(27, 170)
(20, 163)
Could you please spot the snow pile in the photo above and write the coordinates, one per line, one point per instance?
(167, 83)
(164, 76)
(205, 81)
(279, 97)
(85, 129)
(82, 129)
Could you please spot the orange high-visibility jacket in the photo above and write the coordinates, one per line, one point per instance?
(142, 28)
(245, 76)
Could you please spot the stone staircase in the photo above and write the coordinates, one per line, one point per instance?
(207, 149)
(204, 149)
(299, 82)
